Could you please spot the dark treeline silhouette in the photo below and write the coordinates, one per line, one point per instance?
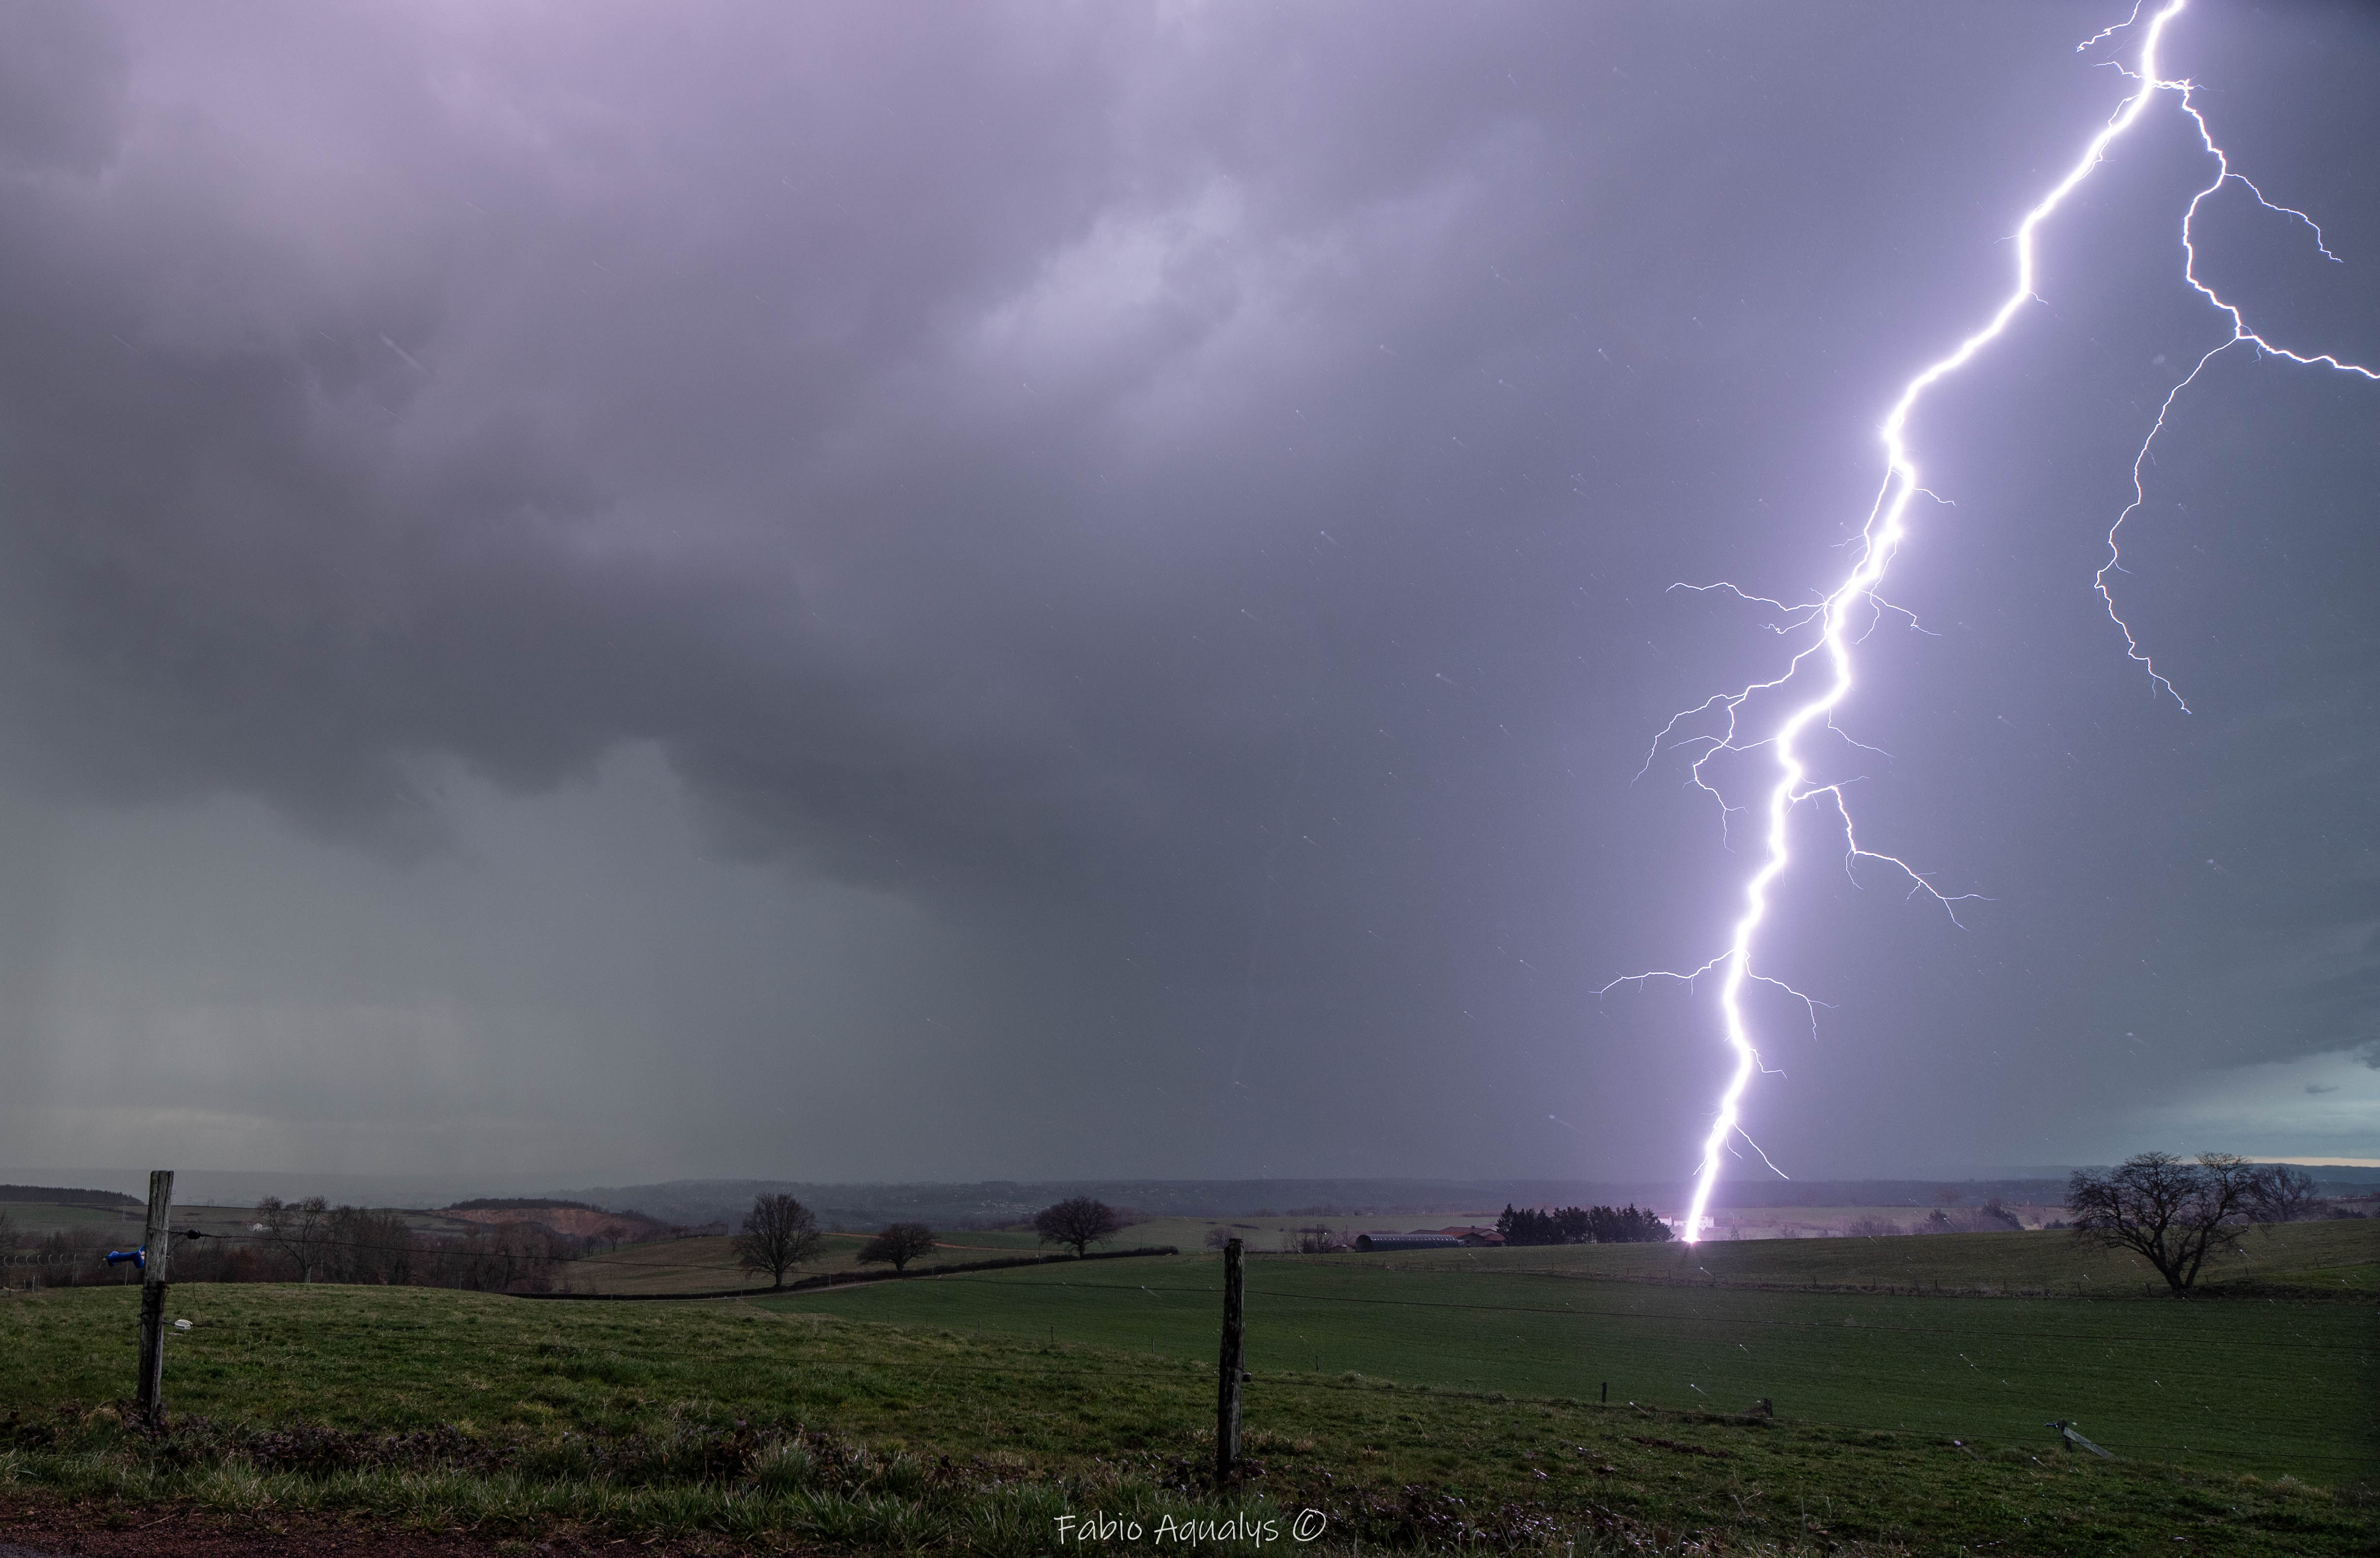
(1581, 1225)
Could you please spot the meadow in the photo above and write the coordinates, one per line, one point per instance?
(774, 1422)
(2342, 1255)
(1451, 1399)
(2271, 1384)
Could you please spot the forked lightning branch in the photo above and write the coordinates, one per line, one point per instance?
(1778, 712)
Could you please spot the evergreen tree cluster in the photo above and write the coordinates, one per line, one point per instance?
(1581, 1225)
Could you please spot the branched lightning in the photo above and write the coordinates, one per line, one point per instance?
(1843, 618)
(2240, 334)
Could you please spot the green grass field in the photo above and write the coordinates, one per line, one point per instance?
(2342, 1256)
(2276, 1387)
(775, 1422)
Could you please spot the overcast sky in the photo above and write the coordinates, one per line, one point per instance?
(605, 592)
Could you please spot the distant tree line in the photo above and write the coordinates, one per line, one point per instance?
(1582, 1224)
(311, 1240)
(779, 1233)
(1317, 1240)
(1993, 1217)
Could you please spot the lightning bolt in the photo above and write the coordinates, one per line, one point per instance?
(1837, 622)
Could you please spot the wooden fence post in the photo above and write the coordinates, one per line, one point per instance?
(156, 1243)
(1227, 1383)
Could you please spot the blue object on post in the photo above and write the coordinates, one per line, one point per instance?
(139, 1259)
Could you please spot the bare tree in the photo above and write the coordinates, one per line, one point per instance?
(2166, 1210)
(1080, 1222)
(779, 1233)
(363, 1246)
(297, 1229)
(2283, 1194)
(899, 1244)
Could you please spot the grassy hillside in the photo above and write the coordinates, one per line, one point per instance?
(2274, 1387)
(763, 1423)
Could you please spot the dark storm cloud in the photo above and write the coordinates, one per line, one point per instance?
(1184, 494)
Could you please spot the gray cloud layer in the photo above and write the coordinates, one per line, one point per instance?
(1149, 527)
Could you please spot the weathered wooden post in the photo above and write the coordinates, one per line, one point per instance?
(157, 1242)
(2066, 1431)
(1226, 1383)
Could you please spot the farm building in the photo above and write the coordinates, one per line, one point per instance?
(1407, 1242)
